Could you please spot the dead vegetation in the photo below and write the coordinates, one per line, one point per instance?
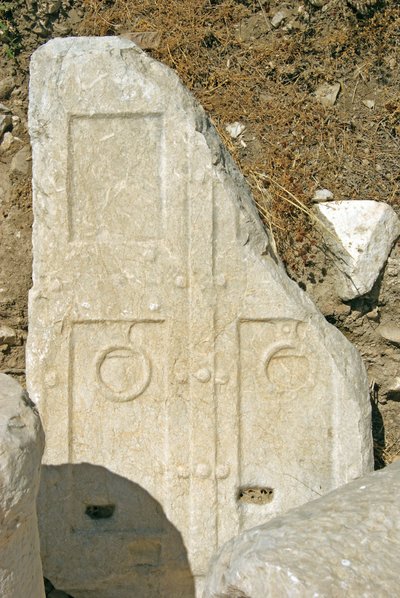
(242, 69)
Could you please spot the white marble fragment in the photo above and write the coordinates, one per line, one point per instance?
(21, 448)
(278, 18)
(235, 129)
(327, 94)
(369, 103)
(188, 388)
(344, 544)
(360, 235)
(322, 195)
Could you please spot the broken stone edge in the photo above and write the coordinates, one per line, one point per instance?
(358, 278)
(352, 408)
(346, 542)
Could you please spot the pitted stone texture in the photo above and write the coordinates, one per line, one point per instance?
(189, 389)
(360, 235)
(344, 544)
(21, 448)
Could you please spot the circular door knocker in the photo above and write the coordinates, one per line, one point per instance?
(124, 373)
(286, 368)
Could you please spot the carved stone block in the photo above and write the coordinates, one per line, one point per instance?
(188, 388)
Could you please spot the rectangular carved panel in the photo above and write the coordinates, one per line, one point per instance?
(117, 380)
(115, 177)
(280, 449)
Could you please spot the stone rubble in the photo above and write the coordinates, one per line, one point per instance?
(188, 388)
(346, 543)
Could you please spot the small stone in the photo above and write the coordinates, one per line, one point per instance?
(373, 315)
(394, 386)
(390, 332)
(21, 162)
(4, 109)
(7, 335)
(7, 142)
(74, 17)
(15, 120)
(6, 87)
(235, 129)
(278, 18)
(343, 309)
(5, 124)
(53, 6)
(369, 103)
(327, 94)
(322, 195)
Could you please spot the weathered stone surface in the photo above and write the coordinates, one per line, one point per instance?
(21, 448)
(8, 335)
(390, 331)
(361, 236)
(188, 388)
(5, 123)
(344, 544)
(21, 162)
(6, 86)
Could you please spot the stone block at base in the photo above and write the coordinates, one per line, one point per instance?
(346, 543)
(21, 448)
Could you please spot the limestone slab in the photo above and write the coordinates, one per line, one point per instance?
(188, 388)
(360, 234)
(344, 544)
(21, 448)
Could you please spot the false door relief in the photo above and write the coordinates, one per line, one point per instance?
(179, 387)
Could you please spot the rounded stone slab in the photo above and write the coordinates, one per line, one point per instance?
(344, 544)
(21, 448)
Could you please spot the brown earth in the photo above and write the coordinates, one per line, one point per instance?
(243, 68)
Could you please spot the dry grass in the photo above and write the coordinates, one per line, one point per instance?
(293, 144)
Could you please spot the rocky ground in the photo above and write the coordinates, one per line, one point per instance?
(263, 65)
(267, 66)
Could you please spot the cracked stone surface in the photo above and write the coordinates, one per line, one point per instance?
(346, 543)
(189, 390)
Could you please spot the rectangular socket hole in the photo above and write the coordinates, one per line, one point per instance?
(255, 495)
(99, 511)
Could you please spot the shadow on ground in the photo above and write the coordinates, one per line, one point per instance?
(105, 536)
